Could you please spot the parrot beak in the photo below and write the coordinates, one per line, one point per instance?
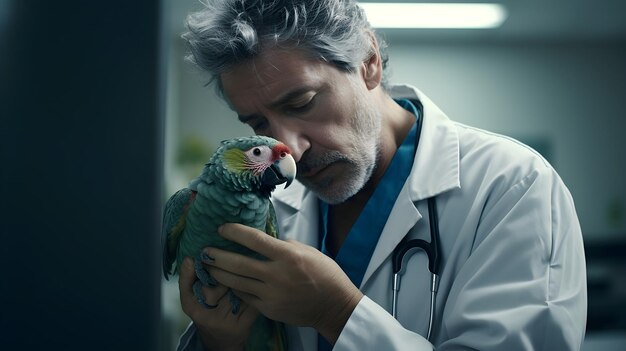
(283, 170)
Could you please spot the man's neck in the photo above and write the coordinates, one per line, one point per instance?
(396, 124)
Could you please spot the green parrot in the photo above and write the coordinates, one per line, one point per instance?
(234, 187)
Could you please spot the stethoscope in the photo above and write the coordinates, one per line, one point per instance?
(430, 248)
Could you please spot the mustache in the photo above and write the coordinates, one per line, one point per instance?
(309, 162)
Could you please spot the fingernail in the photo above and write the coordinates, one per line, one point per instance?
(220, 229)
(206, 258)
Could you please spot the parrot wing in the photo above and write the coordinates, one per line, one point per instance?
(174, 216)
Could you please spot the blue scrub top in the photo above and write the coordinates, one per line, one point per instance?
(355, 253)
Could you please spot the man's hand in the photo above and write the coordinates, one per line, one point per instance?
(219, 328)
(297, 284)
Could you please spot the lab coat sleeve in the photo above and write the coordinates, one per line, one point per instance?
(371, 327)
(523, 287)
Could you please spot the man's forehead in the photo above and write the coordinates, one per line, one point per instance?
(271, 76)
(269, 66)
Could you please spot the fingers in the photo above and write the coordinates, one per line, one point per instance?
(249, 299)
(222, 326)
(185, 284)
(253, 239)
(189, 302)
(237, 282)
(237, 271)
(235, 263)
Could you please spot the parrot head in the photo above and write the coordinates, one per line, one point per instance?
(254, 163)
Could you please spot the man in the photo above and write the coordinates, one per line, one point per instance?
(311, 74)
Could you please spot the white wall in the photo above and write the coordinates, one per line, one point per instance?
(568, 95)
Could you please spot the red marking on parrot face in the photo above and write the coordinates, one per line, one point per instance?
(280, 151)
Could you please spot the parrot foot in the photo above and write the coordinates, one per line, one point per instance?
(203, 275)
(197, 291)
(234, 301)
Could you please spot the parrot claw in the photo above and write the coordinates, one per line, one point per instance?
(234, 301)
(203, 275)
(197, 291)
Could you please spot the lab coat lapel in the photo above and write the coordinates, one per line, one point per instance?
(435, 170)
(402, 218)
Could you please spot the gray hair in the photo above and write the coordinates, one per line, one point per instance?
(227, 32)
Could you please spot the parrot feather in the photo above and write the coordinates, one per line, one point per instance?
(174, 216)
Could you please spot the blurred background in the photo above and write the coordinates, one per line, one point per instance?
(101, 120)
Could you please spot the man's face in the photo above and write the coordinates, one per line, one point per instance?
(323, 114)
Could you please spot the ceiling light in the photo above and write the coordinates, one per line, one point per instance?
(441, 15)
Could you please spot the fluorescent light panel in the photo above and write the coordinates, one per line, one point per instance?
(440, 15)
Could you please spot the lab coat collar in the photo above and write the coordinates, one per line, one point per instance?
(436, 166)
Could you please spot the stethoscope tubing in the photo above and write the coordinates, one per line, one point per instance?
(434, 284)
(432, 251)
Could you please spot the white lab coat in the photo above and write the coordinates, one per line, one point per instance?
(513, 267)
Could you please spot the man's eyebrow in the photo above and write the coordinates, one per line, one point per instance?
(291, 96)
(280, 101)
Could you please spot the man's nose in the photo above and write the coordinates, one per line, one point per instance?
(294, 138)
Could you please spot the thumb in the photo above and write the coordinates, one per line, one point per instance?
(187, 276)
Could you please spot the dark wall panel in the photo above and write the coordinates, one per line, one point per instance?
(80, 175)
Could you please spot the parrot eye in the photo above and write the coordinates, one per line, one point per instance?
(259, 154)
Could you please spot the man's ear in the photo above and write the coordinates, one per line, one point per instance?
(372, 67)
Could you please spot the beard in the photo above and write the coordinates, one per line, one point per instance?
(357, 164)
